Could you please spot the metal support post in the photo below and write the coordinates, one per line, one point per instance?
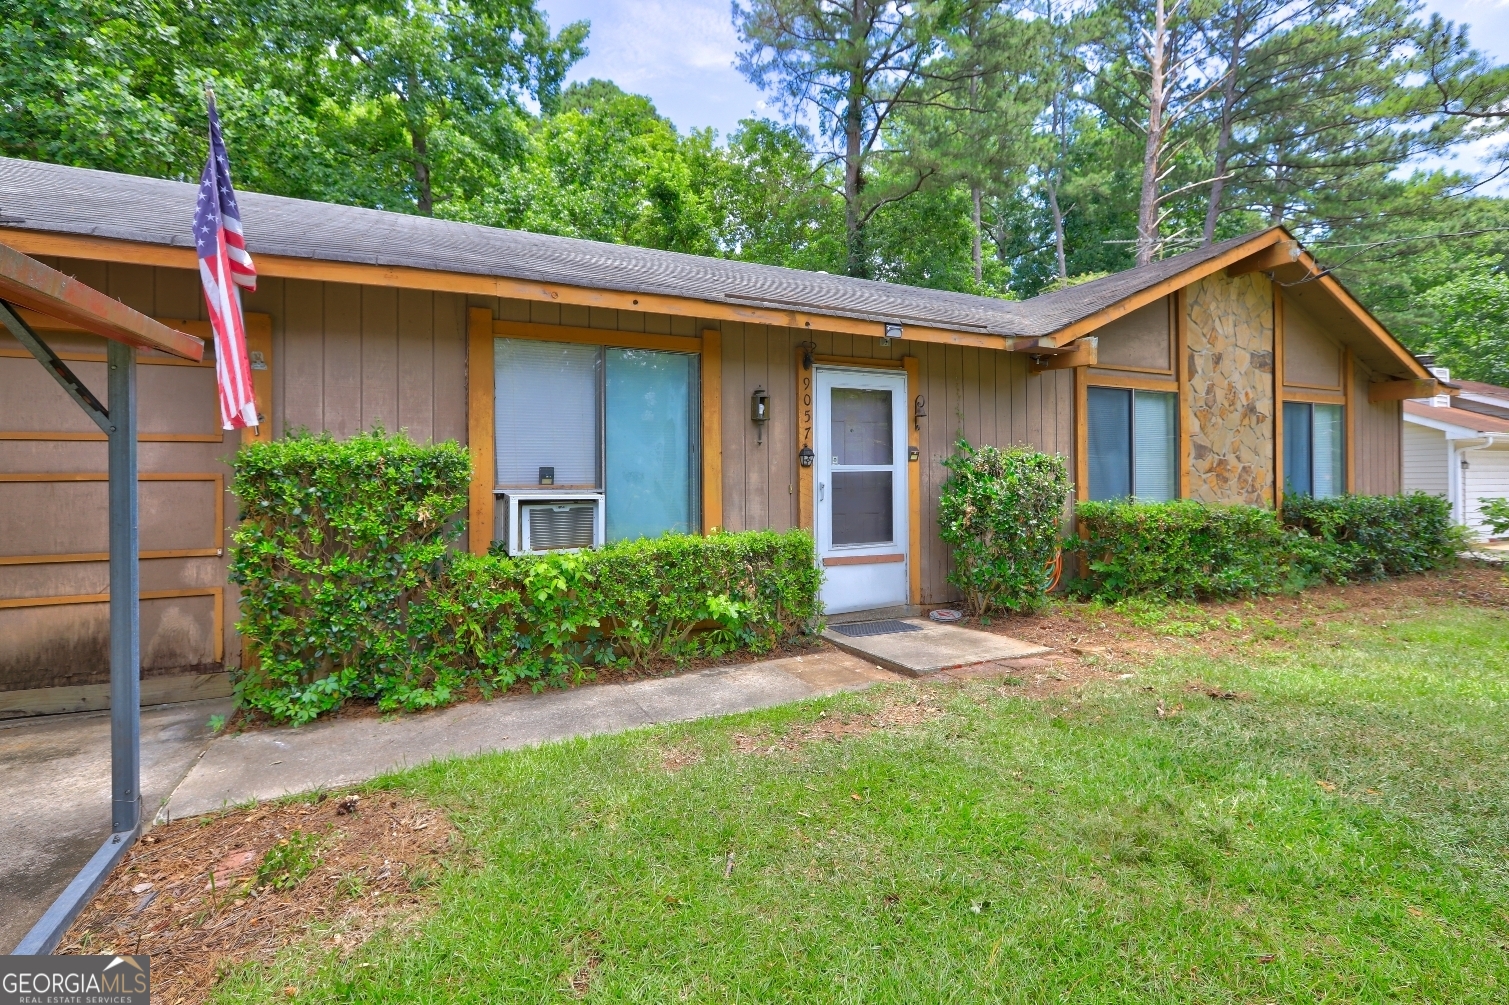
(125, 591)
(119, 425)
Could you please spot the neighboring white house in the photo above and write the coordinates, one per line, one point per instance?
(1458, 447)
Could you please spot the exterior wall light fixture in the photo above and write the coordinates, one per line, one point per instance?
(759, 412)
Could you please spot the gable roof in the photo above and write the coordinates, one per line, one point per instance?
(1459, 417)
(288, 234)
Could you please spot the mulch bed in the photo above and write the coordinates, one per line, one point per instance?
(372, 862)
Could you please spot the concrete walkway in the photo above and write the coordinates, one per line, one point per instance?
(277, 762)
(55, 774)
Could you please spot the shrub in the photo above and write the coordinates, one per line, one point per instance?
(1495, 514)
(1188, 549)
(348, 589)
(337, 540)
(1370, 537)
(1000, 511)
(1181, 549)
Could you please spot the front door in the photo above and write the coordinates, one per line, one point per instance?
(860, 483)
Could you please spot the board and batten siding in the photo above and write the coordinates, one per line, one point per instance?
(1377, 443)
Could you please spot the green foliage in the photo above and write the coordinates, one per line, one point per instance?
(1469, 332)
(287, 862)
(1495, 514)
(337, 540)
(1371, 537)
(1000, 511)
(348, 588)
(1181, 549)
(1186, 549)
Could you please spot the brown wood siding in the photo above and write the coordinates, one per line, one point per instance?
(1377, 439)
(345, 358)
(984, 396)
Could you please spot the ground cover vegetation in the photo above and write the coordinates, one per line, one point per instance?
(996, 147)
(350, 587)
(1294, 798)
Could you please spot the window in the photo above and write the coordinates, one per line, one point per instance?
(1314, 445)
(1133, 449)
(623, 421)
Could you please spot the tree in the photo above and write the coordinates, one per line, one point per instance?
(1470, 331)
(855, 64)
(441, 81)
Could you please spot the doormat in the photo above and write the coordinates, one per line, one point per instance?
(860, 629)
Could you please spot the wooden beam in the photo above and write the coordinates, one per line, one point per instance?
(28, 283)
(1081, 435)
(1086, 352)
(1400, 390)
(1185, 421)
(1271, 257)
(712, 430)
(914, 481)
(479, 428)
(1278, 397)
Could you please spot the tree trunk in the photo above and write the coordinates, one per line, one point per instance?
(1223, 137)
(976, 250)
(1058, 228)
(419, 139)
(1152, 155)
(858, 263)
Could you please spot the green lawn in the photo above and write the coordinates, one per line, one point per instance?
(1339, 835)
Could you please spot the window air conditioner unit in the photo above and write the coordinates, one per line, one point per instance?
(535, 522)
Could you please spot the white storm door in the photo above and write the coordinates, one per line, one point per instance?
(860, 483)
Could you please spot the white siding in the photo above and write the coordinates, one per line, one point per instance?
(1487, 477)
(1427, 460)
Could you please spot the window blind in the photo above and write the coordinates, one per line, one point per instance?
(1110, 421)
(546, 408)
(1329, 463)
(1154, 469)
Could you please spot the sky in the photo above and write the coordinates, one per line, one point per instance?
(681, 54)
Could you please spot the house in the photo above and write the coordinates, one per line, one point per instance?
(607, 392)
(1458, 447)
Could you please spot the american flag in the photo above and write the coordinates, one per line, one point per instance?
(224, 266)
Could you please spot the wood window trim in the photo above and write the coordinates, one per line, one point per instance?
(216, 550)
(1081, 435)
(1099, 379)
(1315, 397)
(482, 329)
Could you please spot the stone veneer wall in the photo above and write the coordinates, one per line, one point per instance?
(1230, 340)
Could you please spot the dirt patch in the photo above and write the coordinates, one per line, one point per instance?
(899, 709)
(205, 894)
(1099, 636)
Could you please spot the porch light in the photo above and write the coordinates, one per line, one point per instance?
(806, 457)
(759, 412)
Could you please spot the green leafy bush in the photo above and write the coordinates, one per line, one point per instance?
(1000, 511)
(349, 590)
(338, 539)
(1496, 515)
(1186, 549)
(1181, 549)
(1370, 537)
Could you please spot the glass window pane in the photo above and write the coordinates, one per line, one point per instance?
(1155, 470)
(1329, 464)
(650, 403)
(862, 511)
(546, 411)
(861, 426)
(1297, 480)
(1110, 422)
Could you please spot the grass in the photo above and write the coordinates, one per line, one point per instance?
(1337, 833)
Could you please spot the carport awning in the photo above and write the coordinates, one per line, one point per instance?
(26, 282)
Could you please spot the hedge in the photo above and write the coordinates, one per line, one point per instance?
(349, 589)
(1190, 550)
